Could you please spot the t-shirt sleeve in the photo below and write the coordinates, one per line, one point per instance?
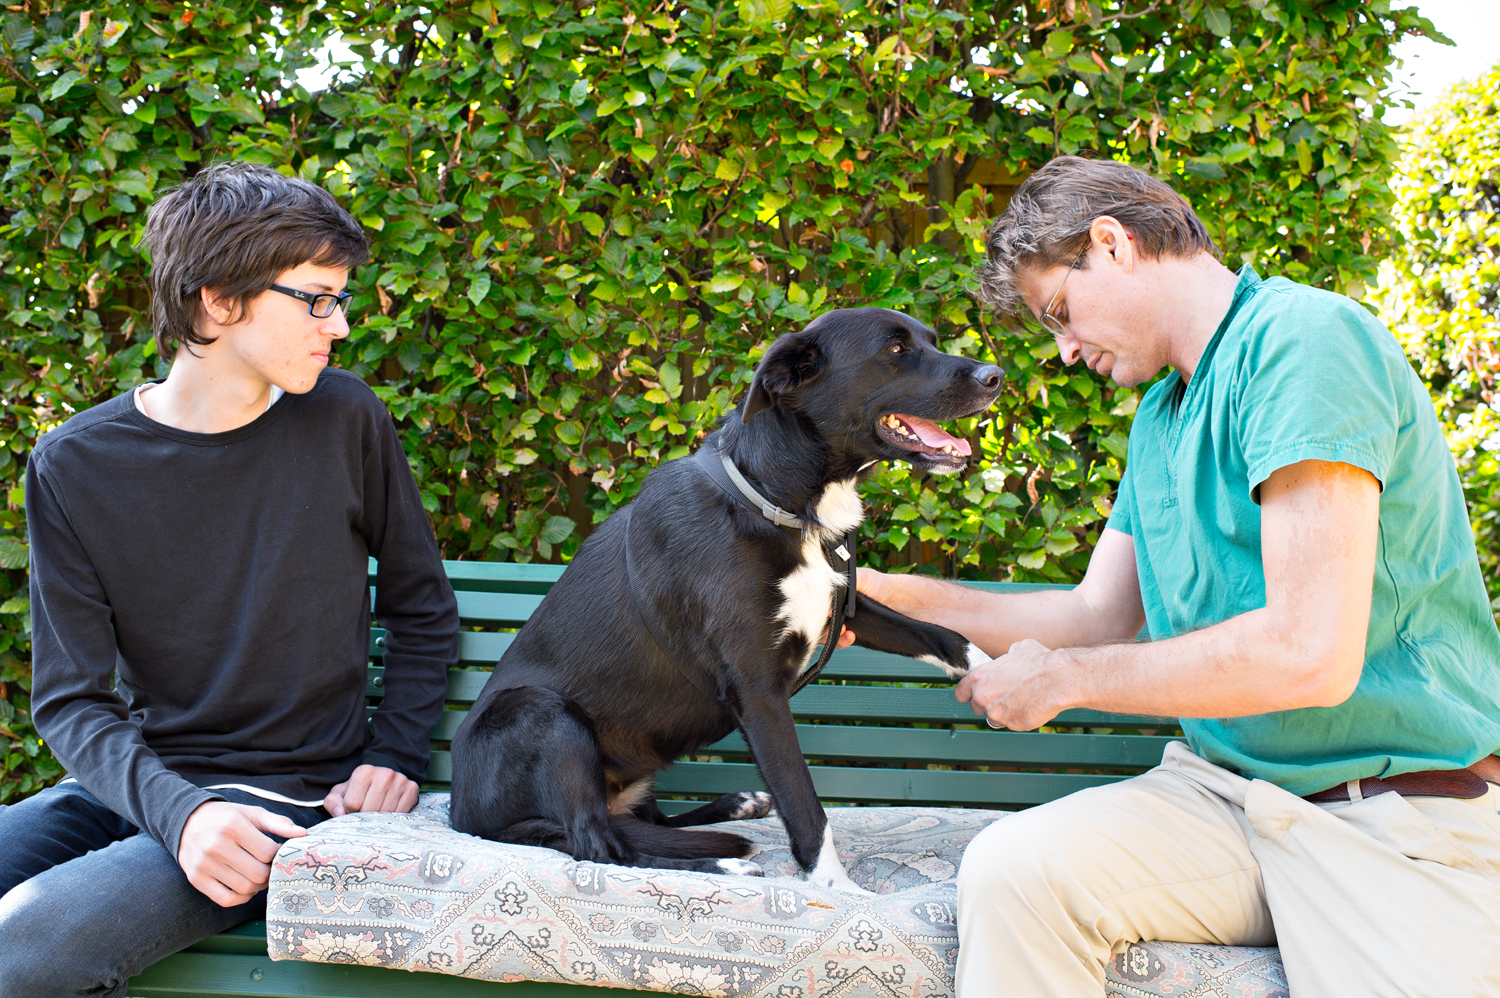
(1122, 516)
(1320, 386)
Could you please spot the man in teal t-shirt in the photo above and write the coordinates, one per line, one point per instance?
(1291, 530)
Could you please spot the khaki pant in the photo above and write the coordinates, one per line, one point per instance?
(1379, 897)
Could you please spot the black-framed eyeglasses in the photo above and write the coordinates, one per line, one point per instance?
(1050, 322)
(319, 306)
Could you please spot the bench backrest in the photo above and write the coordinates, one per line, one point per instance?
(875, 728)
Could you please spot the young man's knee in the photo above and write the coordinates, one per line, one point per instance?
(35, 940)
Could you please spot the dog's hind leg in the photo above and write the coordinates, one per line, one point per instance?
(527, 768)
(878, 627)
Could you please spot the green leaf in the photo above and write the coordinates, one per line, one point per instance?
(771, 204)
(1116, 444)
(724, 283)
(671, 378)
(1217, 21)
(1032, 560)
(593, 223)
(64, 83)
(1205, 169)
(13, 553)
(1058, 44)
(557, 530)
(16, 604)
(479, 287)
(336, 106)
(760, 13)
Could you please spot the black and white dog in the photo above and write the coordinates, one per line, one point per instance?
(696, 610)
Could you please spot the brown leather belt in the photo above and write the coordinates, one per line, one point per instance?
(1463, 783)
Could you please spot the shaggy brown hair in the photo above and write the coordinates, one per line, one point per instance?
(1047, 223)
(234, 228)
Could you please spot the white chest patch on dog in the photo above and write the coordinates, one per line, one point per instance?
(839, 509)
(807, 593)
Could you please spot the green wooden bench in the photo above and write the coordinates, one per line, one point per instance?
(870, 735)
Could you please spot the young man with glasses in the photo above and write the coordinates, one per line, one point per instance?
(1292, 531)
(200, 610)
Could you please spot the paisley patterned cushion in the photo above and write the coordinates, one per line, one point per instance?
(406, 891)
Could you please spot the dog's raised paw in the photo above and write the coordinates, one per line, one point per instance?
(740, 868)
(752, 804)
(976, 655)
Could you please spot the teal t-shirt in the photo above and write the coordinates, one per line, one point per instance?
(1294, 374)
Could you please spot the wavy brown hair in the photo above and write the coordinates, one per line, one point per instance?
(234, 228)
(1047, 223)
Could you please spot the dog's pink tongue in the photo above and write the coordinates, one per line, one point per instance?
(932, 435)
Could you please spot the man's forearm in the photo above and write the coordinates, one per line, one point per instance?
(995, 621)
(1250, 664)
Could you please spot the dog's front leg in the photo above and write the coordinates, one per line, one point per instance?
(766, 720)
(878, 627)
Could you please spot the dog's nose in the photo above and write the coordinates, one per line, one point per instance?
(988, 376)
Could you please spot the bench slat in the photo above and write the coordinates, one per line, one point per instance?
(880, 703)
(1016, 748)
(910, 786)
(892, 704)
(200, 975)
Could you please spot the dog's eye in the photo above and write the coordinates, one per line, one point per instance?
(897, 348)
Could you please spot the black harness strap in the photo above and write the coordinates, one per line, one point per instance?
(727, 477)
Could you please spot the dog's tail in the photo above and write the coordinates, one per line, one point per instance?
(638, 838)
(679, 843)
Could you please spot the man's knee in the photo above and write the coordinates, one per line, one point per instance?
(1016, 857)
(41, 953)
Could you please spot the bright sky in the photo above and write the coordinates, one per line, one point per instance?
(1431, 68)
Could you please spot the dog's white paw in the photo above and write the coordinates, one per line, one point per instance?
(829, 872)
(752, 804)
(954, 672)
(740, 868)
(836, 879)
(976, 655)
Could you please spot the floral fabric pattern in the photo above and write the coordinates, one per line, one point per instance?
(408, 892)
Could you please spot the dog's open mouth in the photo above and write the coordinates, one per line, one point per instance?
(923, 436)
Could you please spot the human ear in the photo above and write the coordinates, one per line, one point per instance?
(1116, 239)
(218, 311)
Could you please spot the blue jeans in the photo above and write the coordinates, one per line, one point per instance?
(87, 901)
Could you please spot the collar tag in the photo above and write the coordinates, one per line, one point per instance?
(842, 552)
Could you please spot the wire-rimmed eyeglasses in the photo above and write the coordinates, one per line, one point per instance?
(320, 306)
(1050, 322)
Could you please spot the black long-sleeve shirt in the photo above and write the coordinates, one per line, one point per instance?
(220, 581)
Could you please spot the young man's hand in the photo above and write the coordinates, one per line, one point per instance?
(372, 788)
(225, 853)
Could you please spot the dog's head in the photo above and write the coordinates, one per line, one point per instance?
(874, 385)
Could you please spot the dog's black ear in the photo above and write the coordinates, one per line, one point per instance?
(793, 360)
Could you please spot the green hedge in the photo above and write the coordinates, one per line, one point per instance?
(589, 220)
(1439, 294)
